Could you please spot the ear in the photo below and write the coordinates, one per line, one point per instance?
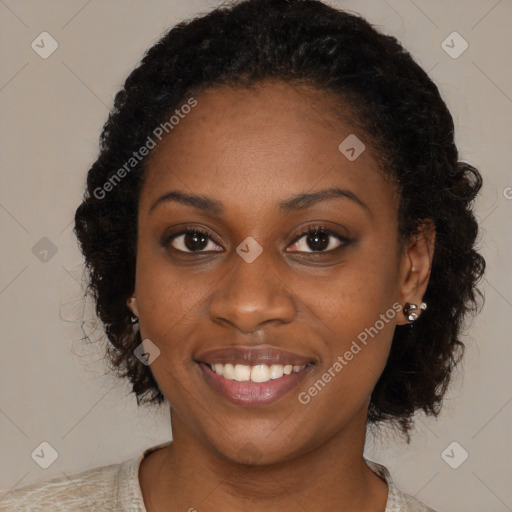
(415, 266)
(132, 305)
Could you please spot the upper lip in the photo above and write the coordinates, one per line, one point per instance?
(251, 356)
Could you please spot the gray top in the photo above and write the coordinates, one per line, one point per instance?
(116, 488)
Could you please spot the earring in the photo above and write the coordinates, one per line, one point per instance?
(134, 319)
(411, 311)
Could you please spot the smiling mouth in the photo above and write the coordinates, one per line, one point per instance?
(256, 373)
(258, 385)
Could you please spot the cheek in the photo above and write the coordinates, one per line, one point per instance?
(169, 302)
(353, 309)
(354, 295)
(357, 322)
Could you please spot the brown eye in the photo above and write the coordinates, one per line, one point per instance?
(318, 239)
(191, 241)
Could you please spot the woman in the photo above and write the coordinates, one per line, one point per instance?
(280, 243)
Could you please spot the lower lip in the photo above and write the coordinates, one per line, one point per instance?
(253, 393)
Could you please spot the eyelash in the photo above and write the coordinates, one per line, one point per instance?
(311, 229)
(319, 228)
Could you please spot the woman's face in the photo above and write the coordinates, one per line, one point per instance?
(249, 154)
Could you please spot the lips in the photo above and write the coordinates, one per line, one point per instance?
(252, 356)
(253, 375)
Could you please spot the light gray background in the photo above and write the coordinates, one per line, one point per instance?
(55, 389)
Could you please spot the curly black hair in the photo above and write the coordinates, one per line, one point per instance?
(399, 108)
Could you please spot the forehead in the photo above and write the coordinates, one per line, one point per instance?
(250, 147)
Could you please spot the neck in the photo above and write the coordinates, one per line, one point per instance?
(332, 476)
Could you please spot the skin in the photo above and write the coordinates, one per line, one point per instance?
(251, 149)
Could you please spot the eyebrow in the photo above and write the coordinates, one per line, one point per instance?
(292, 204)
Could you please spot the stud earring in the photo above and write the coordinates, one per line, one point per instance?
(412, 311)
(134, 319)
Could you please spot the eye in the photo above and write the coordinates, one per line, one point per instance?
(319, 239)
(191, 240)
(196, 240)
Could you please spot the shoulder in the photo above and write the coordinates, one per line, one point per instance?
(100, 488)
(398, 501)
(411, 504)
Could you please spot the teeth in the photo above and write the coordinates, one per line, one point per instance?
(228, 371)
(257, 373)
(260, 373)
(242, 372)
(276, 371)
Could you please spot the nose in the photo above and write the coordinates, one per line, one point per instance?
(252, 295)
